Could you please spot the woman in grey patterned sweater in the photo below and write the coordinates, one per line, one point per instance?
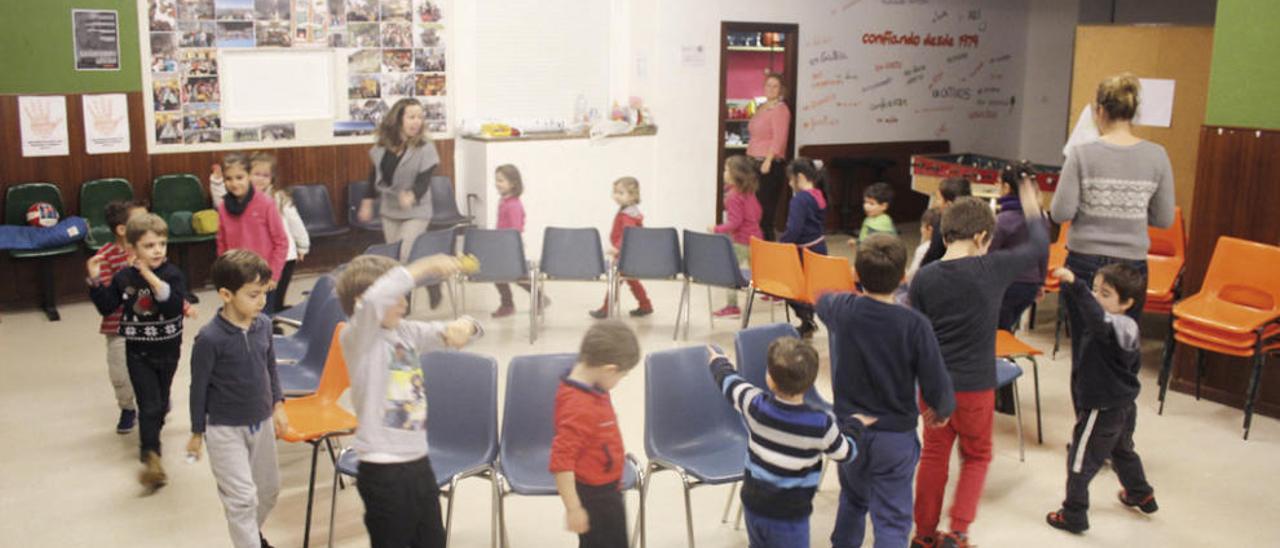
(1112, 188)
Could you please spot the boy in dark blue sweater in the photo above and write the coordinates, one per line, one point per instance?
(149, 294)
(1104, 384)
(236, 403)
(880, 351)
(806, 219)
(788, 441)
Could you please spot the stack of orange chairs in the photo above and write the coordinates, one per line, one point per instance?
(1057, 259)
(776, 270)
(1236, 313)
(1166, 259)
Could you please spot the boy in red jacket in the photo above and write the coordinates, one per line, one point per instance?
(626, 191)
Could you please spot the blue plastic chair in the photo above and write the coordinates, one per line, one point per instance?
(751, 347)
(501, 256)
(689, 427)
(302, 378)
(391, 250)
(647, 254)
(355, 194)
(436, 242)
(568, 254)
(708, 260)
(1007, 373)
(528, 426)
(316, 210)
(462, 433)
(444, 206)
(291, 348)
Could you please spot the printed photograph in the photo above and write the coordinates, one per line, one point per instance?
(429, 84)
(364, 61)
(350, 128)
(233, 10)
(198, 136)
(200, 118)
(428, 36)
(169, 128)
(397, 84)
(368, 110)
(240, 134)
(426, 11)
(397, 35)
(429, 59)
(198, 62)
(365, 11)
(338, 38)
(196, 34)
(190, 10)
(273, 34)
(397, 60)
(203, 89)
(363, 86)
(278, 132)
(397, 10)
(433, 110)
(166, 93)
(163, 15)
(364, 35)
(164, 52)
(271, 10)
(234, 34)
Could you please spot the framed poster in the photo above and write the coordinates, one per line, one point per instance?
(106, 123)
(96, 36)
(43, 122)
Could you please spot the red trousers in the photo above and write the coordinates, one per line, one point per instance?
(638, 292)
(971, 423)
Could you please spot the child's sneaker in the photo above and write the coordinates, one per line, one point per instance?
(728, 312)
(153, 476)
(642, 312)
(263, 541)
(128, 418)
(954, 540)
(1147, 505)
(1058, 521)
(504, 311)
(806, 330)
(600, 313)
(924, 542)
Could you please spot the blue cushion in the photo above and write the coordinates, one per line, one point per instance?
(1006, 372)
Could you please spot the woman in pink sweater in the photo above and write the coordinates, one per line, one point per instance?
(250, 220)
(769, 129)
(742, 217)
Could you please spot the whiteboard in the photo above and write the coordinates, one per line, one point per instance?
(276, 85)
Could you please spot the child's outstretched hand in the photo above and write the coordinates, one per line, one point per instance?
(438, 266)
(576, 520)
(458, 333)
(279, 418)
(215, 172)
(931, 419)
(94, 267)
(1065, 276)
(1029, 191)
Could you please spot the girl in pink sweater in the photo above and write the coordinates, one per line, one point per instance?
(510, 186)
(742, 217)
(249, 220)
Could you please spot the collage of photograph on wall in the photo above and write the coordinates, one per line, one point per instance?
(393, 49)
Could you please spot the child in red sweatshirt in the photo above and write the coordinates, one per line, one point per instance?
(250, 220)
(626, 192)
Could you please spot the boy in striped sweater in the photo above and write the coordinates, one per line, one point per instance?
(788, 441)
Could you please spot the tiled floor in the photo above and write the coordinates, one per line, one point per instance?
(68, 480)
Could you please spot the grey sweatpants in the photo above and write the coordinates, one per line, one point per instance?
(243, 459)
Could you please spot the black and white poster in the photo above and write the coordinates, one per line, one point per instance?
(97, 39)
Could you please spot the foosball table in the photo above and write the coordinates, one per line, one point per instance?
(983, 173)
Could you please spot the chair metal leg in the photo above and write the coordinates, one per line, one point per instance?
(48, 289)
(333, 503)
(1057, 328)
(1031, 322)
(448, 513)
(311, 490)
(1166, 369)
(494, 497)
(680, 309)
(728, 504)
(751, 300)
(333, 457)
(737, 523)
(533, 305)
(644, 480)
(1035, 376)
(1259, 358)
(1017, 411)
(1199, 370)
(688, 508)
(711, 313)
(452, 286)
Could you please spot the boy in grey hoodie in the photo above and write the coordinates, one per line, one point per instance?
(382, 349)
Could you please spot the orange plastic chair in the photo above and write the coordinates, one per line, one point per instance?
(1165, 260)
(827, 274)
(1012, 348)
(1239, 298)
(1057, 259)
(317, 418)
(775, 271)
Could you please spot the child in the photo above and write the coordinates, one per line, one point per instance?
(626, 192)
(249, 219)
(382, 349)
(262, 172)
(928, 225)
(586, 453)
(960, 294)
(742, 217)
(507, 180)
(788, 440)
(1011, 231)
(806, 219)
(949, 190)
(1104, 385)
(111, 259)
(875, 203)
(881, 352)
(236, 403)
(149, 294)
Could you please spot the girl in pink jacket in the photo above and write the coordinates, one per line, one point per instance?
(249, 220)
(507, 180)
(742, 217)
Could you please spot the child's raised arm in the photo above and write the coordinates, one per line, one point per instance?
(739, 391)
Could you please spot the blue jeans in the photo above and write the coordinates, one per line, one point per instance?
(766, 532)
(878, 480)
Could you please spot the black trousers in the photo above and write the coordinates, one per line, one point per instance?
(151, 368)
(504, 291)
(770, 190)
(275, 300)
(1101, 434)
(401, 504)
(607, 515)
(1017, 299)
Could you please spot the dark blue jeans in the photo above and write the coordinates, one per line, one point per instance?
(878, 480)
(766, 532)
(1017, 299)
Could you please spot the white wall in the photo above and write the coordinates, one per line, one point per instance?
(1052, 24)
